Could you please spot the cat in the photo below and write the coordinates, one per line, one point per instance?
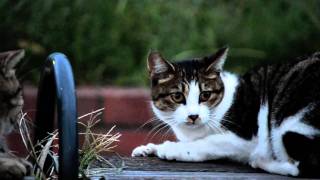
(268, 118)
(11, 103)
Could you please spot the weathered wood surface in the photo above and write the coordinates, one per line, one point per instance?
(154, 168)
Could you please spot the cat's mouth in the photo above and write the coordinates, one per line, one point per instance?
(193, 120)
(193, 124)
(190, 123)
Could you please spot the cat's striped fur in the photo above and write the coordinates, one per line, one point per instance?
(11, 103)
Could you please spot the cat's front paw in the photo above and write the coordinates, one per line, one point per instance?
(178, 151)
(14, 168)
(146, 150)
(168, 151)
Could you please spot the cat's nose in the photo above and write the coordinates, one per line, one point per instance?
(193, 117)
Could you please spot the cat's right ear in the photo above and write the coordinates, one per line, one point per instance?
(9, 60)
(158, 65)
(216, 61)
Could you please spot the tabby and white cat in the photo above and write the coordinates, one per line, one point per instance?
(11, 102)
(268, 118)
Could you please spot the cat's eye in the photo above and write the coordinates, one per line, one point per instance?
(205, 96)
(177, 97)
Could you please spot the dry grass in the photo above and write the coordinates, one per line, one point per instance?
(93, 145)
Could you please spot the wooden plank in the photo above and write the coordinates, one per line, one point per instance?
(156, 164)
(163, 175)
(154, 168)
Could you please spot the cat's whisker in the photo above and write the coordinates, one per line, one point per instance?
(213, 127)
(152, 120)
(229, 122)
(166, 134)
(155, 128)
(159, 130)
(158, 126)
(217, 127)
(224, 120)
(209, 123)
(223, 126)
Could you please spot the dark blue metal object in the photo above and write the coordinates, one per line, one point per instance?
(57, 90)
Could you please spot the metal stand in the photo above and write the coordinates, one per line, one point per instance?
(57, 90)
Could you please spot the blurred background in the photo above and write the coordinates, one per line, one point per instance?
(108, 41)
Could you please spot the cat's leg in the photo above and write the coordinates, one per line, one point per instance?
(282, 139)
(217, 146)
(261, 158)
(286, 138)
(13, 167)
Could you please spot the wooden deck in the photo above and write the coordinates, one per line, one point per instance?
(153, 168)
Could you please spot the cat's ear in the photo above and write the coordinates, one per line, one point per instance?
(216, 61)
(9, 60)
(158, 65)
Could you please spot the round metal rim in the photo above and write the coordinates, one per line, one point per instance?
(57, 92)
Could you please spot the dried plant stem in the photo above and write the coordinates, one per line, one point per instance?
(94, 144)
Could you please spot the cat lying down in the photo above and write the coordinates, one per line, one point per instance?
(268, 118)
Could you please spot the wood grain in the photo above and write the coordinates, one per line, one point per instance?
(154, 168)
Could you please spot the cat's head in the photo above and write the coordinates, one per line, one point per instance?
(11, 100)
(185, 94)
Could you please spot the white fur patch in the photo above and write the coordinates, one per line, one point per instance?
(192, 101)
(230, 82)
(263, 149)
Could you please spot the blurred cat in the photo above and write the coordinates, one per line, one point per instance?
(11, 103)
(268, 118)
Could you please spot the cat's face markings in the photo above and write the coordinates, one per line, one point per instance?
(212, 91)
(193, 112)
(186, 92)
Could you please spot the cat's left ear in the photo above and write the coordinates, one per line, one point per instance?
(9, 60)
(216, 61)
